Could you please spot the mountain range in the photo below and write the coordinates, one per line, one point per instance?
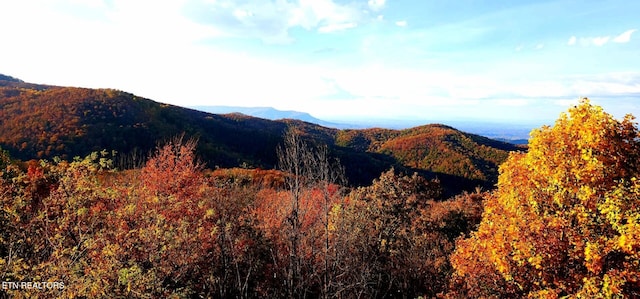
(272, 114)
(514, 133)
(40, 122)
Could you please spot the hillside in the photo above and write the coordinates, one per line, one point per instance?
(440, 150)
(38, 121)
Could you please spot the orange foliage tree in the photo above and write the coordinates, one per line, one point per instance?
(52, 213)
(162, 231)
(565, 219)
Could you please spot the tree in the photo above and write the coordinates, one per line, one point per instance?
(392, 238)
(64, 204)
(311, 184)
(565, 219)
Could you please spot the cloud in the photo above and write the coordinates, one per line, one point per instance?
(512, 102)
(600, 41)
(606, 85)
(539, 46)
(401, 23)
(336, 27)
(625, 37)
(271, 20)
(376, 5)
(597, 41)
(566, 102)
(380, 90)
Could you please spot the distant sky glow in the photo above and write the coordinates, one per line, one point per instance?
(433, 60)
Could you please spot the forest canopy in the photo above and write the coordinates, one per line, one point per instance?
(564, 221)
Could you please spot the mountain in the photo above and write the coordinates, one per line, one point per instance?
(514, 141)
(6, 78)
(272, 114)
(40, 121)
(437, 149)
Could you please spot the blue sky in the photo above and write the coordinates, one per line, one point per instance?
(518, 61)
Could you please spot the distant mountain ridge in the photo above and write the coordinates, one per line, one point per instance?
(517, 134)
(271, 114)
(41, 121)
(10, 79)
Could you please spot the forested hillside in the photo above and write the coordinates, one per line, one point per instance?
(438, 149)
(42, 122)
(564, 222)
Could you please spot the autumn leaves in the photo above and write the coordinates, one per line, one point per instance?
(174, 229)
(563, 221)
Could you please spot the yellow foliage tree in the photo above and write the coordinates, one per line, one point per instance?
(565, 219)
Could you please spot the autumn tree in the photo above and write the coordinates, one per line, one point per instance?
(239, 250)
(55, 210)
(565, 219)
(162, 231)
(311, 184)
(393, 238)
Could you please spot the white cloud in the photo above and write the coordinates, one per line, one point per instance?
(567, 102)
(625, 37)
(599, 41)
(539, 46)
(242, 13)
(530, 89)
(143, 51)
(336, 27)
(605, 87)
(272, 20)
(516, 102)
(401, 23)
(90, 3)
(376, 5)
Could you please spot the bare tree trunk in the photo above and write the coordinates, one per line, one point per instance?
(291, 158)
(307, 167)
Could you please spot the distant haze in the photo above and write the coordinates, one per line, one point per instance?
(272, 114)
(502, 131)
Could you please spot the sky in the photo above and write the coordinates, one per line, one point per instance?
(432, 60)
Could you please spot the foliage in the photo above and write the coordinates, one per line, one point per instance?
(393, 240)
(41, 122)
(564, 220)
(173, 229)
(461, 161)
(67, 122)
